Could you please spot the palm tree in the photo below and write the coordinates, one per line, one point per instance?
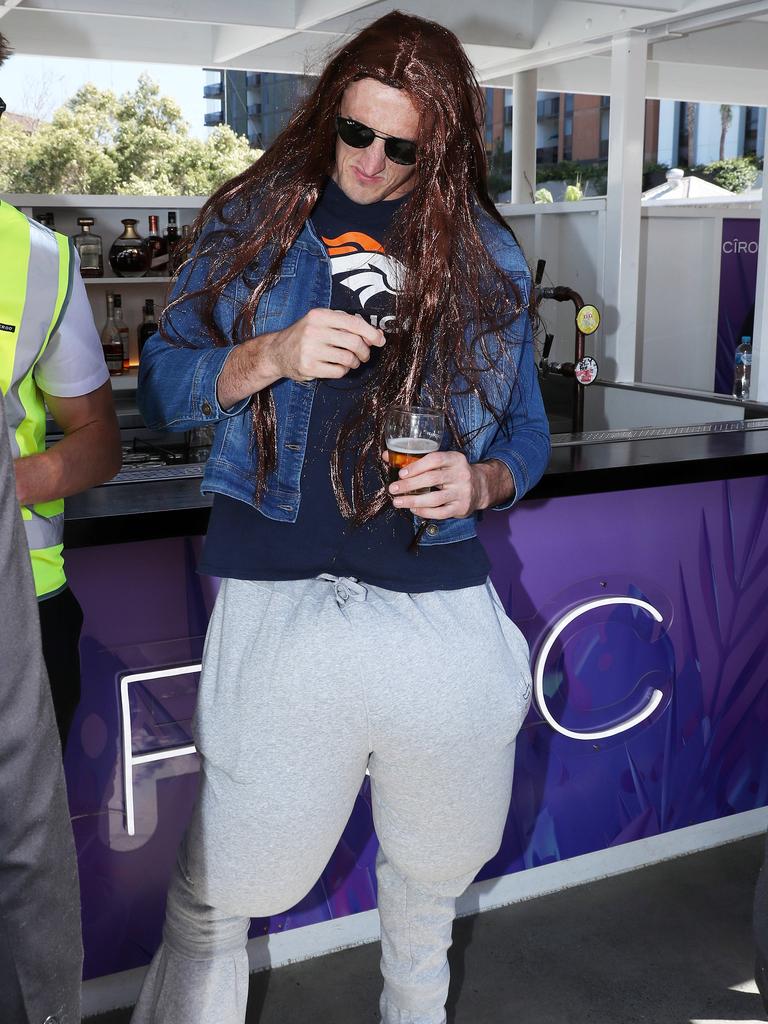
(690, 114)
(726, 116)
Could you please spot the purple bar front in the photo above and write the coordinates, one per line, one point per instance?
(696, 554)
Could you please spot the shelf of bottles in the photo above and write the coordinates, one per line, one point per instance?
(126, 246)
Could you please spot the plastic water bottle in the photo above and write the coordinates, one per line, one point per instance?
(743, 369)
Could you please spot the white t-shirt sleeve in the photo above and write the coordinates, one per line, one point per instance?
(73, 361)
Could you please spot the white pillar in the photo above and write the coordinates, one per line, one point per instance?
(524, 136)
(620, 355)
(759, 381)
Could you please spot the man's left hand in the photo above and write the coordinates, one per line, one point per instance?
(459, 487)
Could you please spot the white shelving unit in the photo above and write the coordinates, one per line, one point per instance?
(108, 212)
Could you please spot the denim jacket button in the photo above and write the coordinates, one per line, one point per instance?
(433, 530)
(207, 408)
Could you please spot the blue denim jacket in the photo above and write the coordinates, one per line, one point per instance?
(177, 386)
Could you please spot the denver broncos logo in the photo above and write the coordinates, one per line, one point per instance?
(358, 262)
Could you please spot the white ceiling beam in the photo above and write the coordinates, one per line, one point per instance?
(274, 13)
(717, 46)
(61, 35)
(313, 13)
(665, 81)
(696, 83)
(300, 53)
(706, 15)
(494, 23)
(560, 38)
(232, 41)
(647, 5)
(7, 6)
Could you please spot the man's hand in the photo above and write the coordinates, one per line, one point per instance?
(459, 487)
(324, 343)
(88, 454)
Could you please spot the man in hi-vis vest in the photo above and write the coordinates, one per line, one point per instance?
(41, 948)
(51, 355)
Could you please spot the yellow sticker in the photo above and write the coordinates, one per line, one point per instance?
(588, 319)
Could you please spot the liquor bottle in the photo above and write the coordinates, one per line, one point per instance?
(128, 255)
(46, 219)
(148, 326)
(111, 340)
(89, 249)
(158, 249)
(743, 369)
(122, 327)
(172, 239)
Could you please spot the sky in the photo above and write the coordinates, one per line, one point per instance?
(29, 83)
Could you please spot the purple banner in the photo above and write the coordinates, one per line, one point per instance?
(738, 278)
(667, 593)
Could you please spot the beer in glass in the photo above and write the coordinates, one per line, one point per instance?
(410, 433)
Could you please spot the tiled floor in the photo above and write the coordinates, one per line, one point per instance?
(670, 944)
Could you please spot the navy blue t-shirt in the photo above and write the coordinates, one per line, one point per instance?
(244, 544)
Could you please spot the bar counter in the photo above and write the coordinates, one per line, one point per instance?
(638, 572)
(168, 508)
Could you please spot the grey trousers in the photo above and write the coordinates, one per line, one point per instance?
(41, 953)
(304, 685)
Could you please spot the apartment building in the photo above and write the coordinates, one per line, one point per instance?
(253, 103)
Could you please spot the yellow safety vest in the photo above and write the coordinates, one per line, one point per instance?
(36, 267)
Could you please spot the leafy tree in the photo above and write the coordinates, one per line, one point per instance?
(14, 153)
(136, 144)
(736, 174)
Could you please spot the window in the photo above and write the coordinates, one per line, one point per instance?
(751, 130)
(605, 126)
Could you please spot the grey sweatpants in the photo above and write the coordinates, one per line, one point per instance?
(304, 685)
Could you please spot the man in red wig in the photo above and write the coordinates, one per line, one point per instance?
(358, 265)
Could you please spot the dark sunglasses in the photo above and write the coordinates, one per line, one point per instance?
(2, 107)
(360, 136)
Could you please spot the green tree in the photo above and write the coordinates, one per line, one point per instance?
(136, 144)
(14, 154)
(736, 174)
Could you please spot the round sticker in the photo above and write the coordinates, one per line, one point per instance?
(588, 319)
(586, 370)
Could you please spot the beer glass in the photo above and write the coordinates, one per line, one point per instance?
(410, 433)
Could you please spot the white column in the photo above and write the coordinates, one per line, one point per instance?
(524, 136)
(759, 381)
(620, 354)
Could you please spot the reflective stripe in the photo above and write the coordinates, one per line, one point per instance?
(47, 289)
(34, 292)
(42, 532)
(14, 257)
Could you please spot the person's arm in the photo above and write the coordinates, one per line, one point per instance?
(522, 444)
(514, 461)
(186, 381)
(88, 454)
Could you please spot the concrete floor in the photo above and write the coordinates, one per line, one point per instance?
(669, 944)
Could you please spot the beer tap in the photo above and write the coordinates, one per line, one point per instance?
(584, 369)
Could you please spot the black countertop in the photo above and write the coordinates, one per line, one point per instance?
(173, 508)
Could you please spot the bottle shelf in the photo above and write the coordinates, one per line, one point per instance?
(125, 280)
